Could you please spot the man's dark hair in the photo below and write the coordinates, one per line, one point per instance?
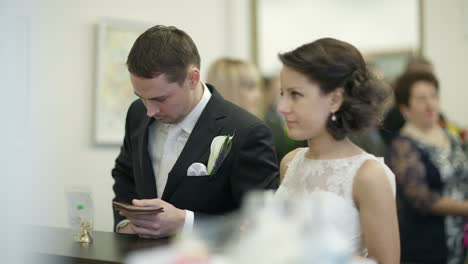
(405, 82)
(163, 50)
(333, 64)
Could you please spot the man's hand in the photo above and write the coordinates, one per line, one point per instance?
(128, 229)
(156, 225)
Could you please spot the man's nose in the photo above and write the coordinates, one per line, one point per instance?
(151, 109)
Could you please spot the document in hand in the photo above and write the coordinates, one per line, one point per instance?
(131, 209)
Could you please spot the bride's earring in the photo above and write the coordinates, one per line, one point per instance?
(333, 117)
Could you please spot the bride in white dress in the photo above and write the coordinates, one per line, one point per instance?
(327, 93)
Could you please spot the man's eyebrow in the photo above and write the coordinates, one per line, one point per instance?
(158, 98)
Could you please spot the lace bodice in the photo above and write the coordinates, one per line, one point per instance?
(331, 181)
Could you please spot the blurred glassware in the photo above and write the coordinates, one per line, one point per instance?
(80, 213)
(268, 229)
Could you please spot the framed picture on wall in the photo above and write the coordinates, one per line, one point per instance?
(389, 63)
(113, 90)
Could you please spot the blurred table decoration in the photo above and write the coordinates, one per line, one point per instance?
(268, 229)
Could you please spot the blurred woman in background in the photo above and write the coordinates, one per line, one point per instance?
(431, 174)
(239, 82)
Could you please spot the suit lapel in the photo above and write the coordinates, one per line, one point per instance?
(149, 183)
(207, 127)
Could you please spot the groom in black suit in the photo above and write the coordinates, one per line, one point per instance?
(172, 127)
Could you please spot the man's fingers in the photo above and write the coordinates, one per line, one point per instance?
(139, 202)
(144, 232)
(145, 217)
(146, 202)
(153, 225)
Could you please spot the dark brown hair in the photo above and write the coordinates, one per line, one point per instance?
(163, 50)
(405, 82)
(336, 64)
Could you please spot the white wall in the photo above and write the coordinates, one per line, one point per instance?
(15, 156)
(62, 81)
(370, 25)
(446, 45)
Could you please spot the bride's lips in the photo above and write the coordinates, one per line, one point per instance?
(290, 123)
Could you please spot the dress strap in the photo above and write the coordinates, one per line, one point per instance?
(293, 163)
(360, 163)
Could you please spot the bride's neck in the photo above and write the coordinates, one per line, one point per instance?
(327, 147)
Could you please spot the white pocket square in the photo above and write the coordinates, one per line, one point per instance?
(197, 169)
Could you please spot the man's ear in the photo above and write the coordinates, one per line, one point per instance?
(336, 99)
(193, 77)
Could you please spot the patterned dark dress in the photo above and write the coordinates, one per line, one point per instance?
(424, 174)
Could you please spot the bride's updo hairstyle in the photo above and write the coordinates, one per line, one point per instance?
(334, 64)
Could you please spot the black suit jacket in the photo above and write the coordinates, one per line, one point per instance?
(251, 163)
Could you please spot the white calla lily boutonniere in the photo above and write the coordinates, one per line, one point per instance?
(219, 150)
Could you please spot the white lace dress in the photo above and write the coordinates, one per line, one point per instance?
(331, 181)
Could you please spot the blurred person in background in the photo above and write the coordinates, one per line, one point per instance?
(238, 81)
(394, 120)
(328, 93)
(431, 174)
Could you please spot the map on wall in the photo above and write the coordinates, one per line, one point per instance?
(114, 92)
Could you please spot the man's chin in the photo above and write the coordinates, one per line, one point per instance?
(166, 120)
(161, 119)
